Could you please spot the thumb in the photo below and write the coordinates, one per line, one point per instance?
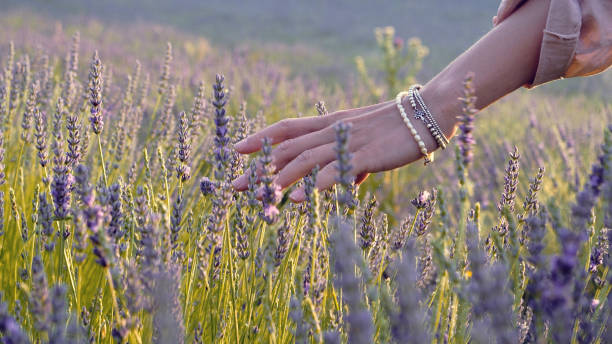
(505, 9)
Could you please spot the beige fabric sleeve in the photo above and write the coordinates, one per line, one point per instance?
(577, 39)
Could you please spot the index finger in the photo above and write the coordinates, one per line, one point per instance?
(281, 131)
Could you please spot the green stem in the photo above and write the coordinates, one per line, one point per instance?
(102, 160)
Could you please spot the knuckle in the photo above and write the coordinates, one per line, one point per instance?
(284, 146)
(284, 125)
(305, 157)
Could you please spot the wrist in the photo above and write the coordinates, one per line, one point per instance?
(443, 102)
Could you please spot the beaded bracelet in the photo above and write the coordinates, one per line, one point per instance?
(425, 115)
(429, 157)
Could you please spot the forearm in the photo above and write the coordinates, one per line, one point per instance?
(503, 60)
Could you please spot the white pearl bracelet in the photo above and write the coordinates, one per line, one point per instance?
(429, 157)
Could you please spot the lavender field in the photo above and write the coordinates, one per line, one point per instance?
(119, 223)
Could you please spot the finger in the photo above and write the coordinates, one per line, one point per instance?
(304, 163)
(294, 127)
(329, 174)
(241, 183)
(280, 131)
(506, 8)
(288, 150)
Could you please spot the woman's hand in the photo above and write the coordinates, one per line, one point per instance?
(378, 141)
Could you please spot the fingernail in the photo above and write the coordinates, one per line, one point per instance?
(297, 195)
(240, 144)
(240, 182)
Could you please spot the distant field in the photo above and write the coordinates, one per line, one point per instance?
(323, 36)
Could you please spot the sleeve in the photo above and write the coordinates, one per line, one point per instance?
(577, 39)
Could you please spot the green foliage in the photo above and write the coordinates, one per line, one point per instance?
(401, 62)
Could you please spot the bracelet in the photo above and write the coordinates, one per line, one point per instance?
(425, 115)
(429, 157)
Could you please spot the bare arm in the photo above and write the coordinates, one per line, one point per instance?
(502, 61)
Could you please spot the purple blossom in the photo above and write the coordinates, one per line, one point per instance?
(465, 137)
(221, 140)
(10, 330)
(271, 192)
(61, 187)
(345, 256)
(344, 167)
(95, 96)
(207, 187)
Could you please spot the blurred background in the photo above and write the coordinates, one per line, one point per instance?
(313, 37)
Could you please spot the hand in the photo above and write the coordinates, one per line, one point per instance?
(505, 9)
(378, 141)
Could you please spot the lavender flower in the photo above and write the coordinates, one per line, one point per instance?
(468, 110)
(39, 302)
(426, 268)
(58, 316)
(166, 119)
(1, 213)
(270, 191)
(586, 199)
(183, 147)
(345, 258)
(489, 295)
(558, 297)
(426, 215)
(197, 111)
(251, 190)
(61, 187)
(16, 82)
(222, 153)
(117, 217)
(510, 181)
(321, 109)
(175, 219)
(344, 166)
(2, 166)
(60, 112)
(45, 220)
(420, 202)
(282, 240)
(599, 250)
(95, 97)
(10, 330)
(29, 113)
(74, 52)
(531, 204)
(165, 74)
(101, 248)
(3, 104)
(368, 231)
(408, 321)
(207, 187)
(168, 315)
(74, 139)
(242, 242)
(41, 134)
(399, 235)
(312, 202)
(300, 334)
